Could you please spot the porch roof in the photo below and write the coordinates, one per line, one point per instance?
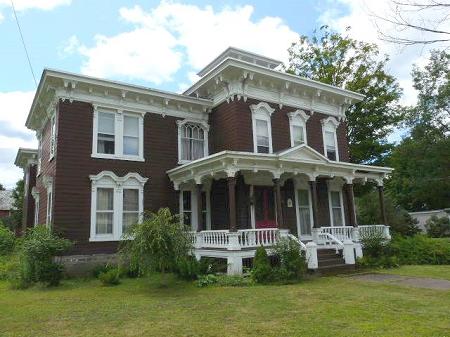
(301, 159)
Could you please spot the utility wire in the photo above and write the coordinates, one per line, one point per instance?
(23, 43)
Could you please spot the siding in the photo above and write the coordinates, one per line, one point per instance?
(75, 164)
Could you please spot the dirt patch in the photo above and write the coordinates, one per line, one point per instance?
(417, 282)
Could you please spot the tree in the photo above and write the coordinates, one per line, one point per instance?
(17, 210)
(1, 187)
(410, 18)
(341, 61)
(157, 244)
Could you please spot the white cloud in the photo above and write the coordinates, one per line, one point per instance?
(21, 5)
(13, 133)
(172, 35)
(361, 16)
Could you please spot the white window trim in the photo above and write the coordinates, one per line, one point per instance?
(39, 154)
(262, 111)
(330, 124)
(35, 195)
(118, 134)
(204, 125)
(298, 118)
(300, 184)
(52, 143)
(194, 209)
(107, 179)
(336, 186)
(48, 184)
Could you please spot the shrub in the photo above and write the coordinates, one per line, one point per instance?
(7, 239)
(110, 277)
(377, 251)
(38, 249)
(292, 261)
(206, 280)
(262, 270)
(438, 227)
(212, 265)
(380, 262)
(421, 249)
(188, 268)
(102, 268)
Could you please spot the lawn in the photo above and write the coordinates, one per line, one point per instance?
(328, 306)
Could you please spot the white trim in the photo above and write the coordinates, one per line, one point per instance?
(52, 144)
(118, 134)
(203, 125)
(262, 111)
(330, 124)
(108, 179)
(298, 118)
(192, 188)
(335, 186)
(39, 154)
(35, 195)
(48, 183)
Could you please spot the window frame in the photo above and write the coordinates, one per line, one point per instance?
(298, 118)
(262, 111)
(107, 179)
(330, 124)
(52, 144)
(35, 195)
(39, 155)
(194, 209)
(119, 123)
(199, 123)
(301, 184)
(330, 204)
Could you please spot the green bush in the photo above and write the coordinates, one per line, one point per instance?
(262, 270)
(7, 240)
(110, 277)
(421, 249)
(206, 280)
(38, 249)
(378, 262)
(211, 265)
(102, 268)
(438, 227)
(377, 251)
(188, 268)
(292, 261)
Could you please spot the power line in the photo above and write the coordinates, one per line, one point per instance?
(23, 42)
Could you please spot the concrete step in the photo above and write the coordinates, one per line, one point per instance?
(336, 269)
(331, 262)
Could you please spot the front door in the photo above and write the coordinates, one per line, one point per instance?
(264, 207)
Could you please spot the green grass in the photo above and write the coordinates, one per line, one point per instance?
(441, 271)
(328, 306)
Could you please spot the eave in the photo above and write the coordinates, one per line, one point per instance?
(25, 156)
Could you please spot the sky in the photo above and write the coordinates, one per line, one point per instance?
(160, 44)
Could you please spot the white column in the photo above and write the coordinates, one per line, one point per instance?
(233, 241)
(311, 255)
(358, 250)
(349, 252)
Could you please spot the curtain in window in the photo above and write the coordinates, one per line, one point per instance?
(262, 136)
(105, 137)
(336, 208)
(105, 210)
(304, 212)
(131, 135)
(298, 135)
(130, 208)
(192, 142)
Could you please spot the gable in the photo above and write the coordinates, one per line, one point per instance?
(302, 152)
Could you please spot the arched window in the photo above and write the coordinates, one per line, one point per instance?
(330, 144)
(193, 141)
(297, 123)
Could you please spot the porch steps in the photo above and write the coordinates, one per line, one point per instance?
(331, 263)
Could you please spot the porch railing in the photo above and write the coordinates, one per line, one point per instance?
(250, 238)
(343, 233)
(369, 230)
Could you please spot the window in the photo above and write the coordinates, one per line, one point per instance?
(105, 211)
(330, 148)
(39, 158)
(297, 121)
(118, 135)
(187, 208)
(262, 128)
(116, 203)
(48, 219)
(304, 211)
(337, 213)
(192, 140)
(130, 208)
(131, 136)
(52, 136)
(106, 131)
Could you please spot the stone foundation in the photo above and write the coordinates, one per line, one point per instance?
(82, 265)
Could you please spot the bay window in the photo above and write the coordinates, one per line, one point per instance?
(116, 204)
(118, 135)
(262, 128)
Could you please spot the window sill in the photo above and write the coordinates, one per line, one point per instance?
(103, 239)
(115, 157)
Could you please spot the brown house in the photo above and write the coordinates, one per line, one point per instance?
(247, 155)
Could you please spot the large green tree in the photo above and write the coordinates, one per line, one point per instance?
(17, 211)
(341, 61)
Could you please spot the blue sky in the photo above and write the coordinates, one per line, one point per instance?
(160, 44)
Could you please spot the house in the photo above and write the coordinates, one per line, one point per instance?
(247, 155)
(6, 203)
(423, 216)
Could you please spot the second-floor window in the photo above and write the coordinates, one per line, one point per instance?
(262, 136)
(118, 135)
(192, 140)
(52, 136)
(330, 145)
(297, 122)
(262, 127)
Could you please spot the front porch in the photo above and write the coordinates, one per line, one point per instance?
(236, 201)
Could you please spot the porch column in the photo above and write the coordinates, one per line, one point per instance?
(232, 203)
(200, 224)
(280, 221)
(313, 187)
(382, 207)
(351, 203)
